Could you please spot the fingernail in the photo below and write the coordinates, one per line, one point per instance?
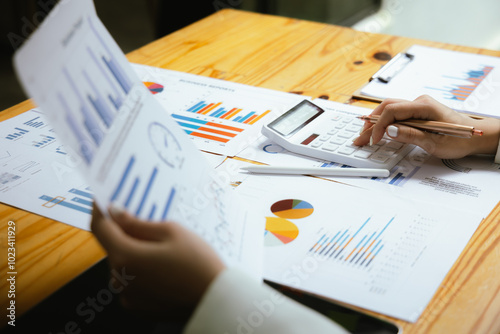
(115, 209)
(355, 139)
(392, 131)
(371, 140)
(362, 129)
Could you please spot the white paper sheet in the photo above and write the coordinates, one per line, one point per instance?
(463, 81)
(219, 116)
(364, 248)
(129, 149)
(37, 174)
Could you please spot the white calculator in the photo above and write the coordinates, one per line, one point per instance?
(309, 130)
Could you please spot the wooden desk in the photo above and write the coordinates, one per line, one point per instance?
(283, 54)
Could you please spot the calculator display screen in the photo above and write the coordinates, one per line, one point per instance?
(296, 118)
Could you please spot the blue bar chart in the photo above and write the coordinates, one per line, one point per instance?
(358, 247)
(112, 63)
(18, 133)
(76, 199)
(44, 140)
(134, 188)
(93, 94)
(35, 122)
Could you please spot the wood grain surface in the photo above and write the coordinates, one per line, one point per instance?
(285, 54)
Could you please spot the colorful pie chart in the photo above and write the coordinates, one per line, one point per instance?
(279, 231)
(154, 87)
(292, 208)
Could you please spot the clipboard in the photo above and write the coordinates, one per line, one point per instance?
(466, 82)
(388, 71)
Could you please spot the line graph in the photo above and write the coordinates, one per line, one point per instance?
(460, 86)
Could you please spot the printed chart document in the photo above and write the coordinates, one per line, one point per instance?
(220, 116)
(463, 81)
(38, 175)
(371, 250)
(130, 151)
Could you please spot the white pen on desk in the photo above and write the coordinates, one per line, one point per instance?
(325, 171)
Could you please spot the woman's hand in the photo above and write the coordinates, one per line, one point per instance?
(426, 108)
(172, 266)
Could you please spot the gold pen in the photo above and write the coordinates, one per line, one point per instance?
(443, 128)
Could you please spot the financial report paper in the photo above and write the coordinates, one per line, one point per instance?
(131, 152)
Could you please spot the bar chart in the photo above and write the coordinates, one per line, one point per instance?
(134, 189)
(216, 122)
(219, 116)
(235, 114)
(356, 247)
(207, 129)
(94, 86)
(44, 140)
(460, 86)
(18, 133)
(75, 199)
(36, 122)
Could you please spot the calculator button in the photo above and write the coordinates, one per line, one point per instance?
(332, 131)
(353, 128)
(324, 137)
(339, 125)
(346, 150)
(370, 149)
(378, 157)
(316, 143)
(362, 154)
(386, 150)
(337, 141)
(329, 147)
(345, 134)
(394, 145)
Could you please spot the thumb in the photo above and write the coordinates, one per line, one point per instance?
(137, 228)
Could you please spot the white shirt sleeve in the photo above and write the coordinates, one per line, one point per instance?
(236, 303)
(497, 156)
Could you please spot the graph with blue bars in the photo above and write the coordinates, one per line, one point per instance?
(76, 199)
(92, 96)
(134, 189)
(358, 247)
(44, 140)
(16, 134)
(36, 122)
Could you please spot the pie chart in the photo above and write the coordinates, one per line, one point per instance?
(279, 231)
(154, 87)
(292, 208)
